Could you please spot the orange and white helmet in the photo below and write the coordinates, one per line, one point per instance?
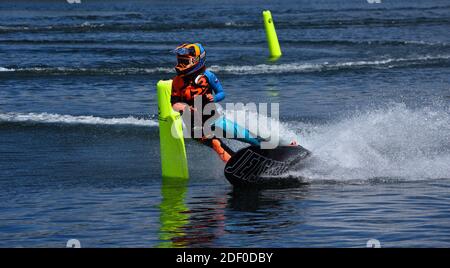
(190, 58)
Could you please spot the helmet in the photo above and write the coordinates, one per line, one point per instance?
(190, 58)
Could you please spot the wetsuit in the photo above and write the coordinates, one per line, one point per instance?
(201, 84)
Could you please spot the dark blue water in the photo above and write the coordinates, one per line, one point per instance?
(365, 87)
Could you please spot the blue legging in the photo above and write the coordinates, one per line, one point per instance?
(239, 133)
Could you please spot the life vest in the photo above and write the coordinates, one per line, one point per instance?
(189, 88)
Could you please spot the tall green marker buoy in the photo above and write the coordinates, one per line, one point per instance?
(272, 38)
(173, 153)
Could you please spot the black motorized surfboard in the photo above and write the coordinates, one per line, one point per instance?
(256, 167)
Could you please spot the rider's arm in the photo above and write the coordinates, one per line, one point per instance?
(216, 87)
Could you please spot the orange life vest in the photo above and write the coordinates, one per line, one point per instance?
(187, 89)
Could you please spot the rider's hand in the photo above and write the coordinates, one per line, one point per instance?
(210, 97)
(179, 106)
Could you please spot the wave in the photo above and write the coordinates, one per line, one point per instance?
(285, 68)
(2, 69)
(391, 143)
(86, 71)
(366, 8)
(125, 27)
(50, 118)
(160, 26)
(330, 42)
(322, 67)
(394, 142)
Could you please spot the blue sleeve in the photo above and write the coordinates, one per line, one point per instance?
(216, 87)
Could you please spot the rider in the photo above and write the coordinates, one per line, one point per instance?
(194, 80)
